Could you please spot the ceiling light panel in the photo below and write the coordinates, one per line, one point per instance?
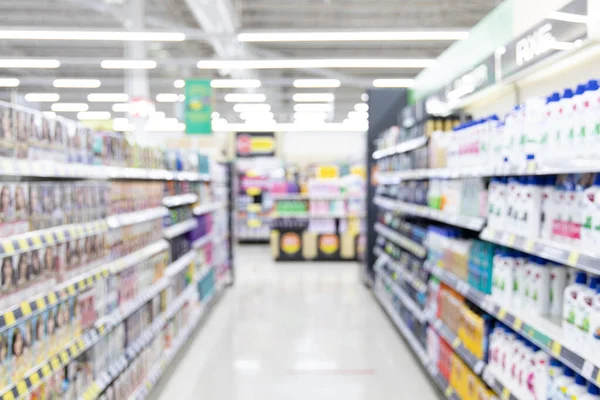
(93, 115)
(234, 83)
(167, 97)
(251, 108)
(313, 107)
(311, 115)
(393, 83)
(123, 36)
(121, 107)
(108, 97)
(358, 115)
(317, 83)
(128, 64)
(363, 107)
(9, 82)
(245, 98)
(77, 83)
(179, 83)
(28, 63)
(69, 107)
(42, 97)
(317, 63)
(49, 114)
(352, 36)
(256, 115)
(311, 97)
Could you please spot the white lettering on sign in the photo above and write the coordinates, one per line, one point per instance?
(534, 45)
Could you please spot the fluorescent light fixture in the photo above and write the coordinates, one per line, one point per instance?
(42, 97)
(215, 115)
(219, 121)
(158, 115)
(309, 97)
(9, 82)
(251, 108)
(122, 124)
(165, 126)
(167, 97)
(317, 63)
(364, 97)
(352, 36)
(245, 98)
(123, 36)
(313, 107)
(77, 83)
(49, 114)
(121, 107)
(28, 63)
(256, 115)
(179, 83)
(128, 64)
(363, 107)
(181, 97)
(70, 107)
(93, 115)
(317, 83)
(358, 115)
(310, 115)
(235, 83)
(568, 17)
(108, 97)
(393, 83)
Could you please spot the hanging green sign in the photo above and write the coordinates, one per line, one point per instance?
(198, 110)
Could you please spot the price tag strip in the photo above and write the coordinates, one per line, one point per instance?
(409, 244)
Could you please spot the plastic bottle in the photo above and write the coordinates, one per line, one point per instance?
(594, 334)
(587, 118)
(548, 138)
(585, 303)
(593, 393)
(576, 122)
(590, 213)
(571, 297)
(577, 389)
(510, 219)
(593, 119)
(519, 276)
(558, 283)
(563, 382)
(531, 196)
(540, 283)
(547, 207)
(555, 371)
(537, 381)
(527, 282)
(567, 127)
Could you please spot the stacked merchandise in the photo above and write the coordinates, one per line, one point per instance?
(94, 302)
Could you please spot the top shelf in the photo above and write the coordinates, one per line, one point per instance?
(52, 169)
(301, 196)
(409, 145)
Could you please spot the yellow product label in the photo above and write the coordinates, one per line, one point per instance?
(556, 348)
(518, 324)
(329, 244)
(573, 258)
(328, 172)
(290, 243)
(23, 245)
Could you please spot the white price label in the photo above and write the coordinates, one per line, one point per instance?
(462, 287)
(587, 370)
(478, 367)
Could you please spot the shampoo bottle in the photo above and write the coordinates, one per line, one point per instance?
(571, 297)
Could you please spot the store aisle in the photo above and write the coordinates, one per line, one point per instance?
(296, 331)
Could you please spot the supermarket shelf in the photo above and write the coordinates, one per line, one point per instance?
(403, 147)
(136, 217)
(544, 333)
(180, 200)
(52, 169)
(303, 196)
(409, 303)
(452, 339)
(419, 351)
(561, 253)
(181, 263)
(81, 344)
(400, 270)
(315, 215)
(180, 228)
(48, 237)
(473, 223)
(198, 243)
(210, 207)
(501, 388)
(131, 353)
(76, 285)
(409, 244)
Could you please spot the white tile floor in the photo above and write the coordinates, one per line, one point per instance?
(291, 331)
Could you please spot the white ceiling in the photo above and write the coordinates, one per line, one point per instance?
(177, 59)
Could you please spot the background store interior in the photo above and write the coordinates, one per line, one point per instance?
(286, 200)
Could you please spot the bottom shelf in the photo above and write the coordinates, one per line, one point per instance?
(416, 347)
(159, 368)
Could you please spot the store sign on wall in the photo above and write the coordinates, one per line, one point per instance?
(255, 144)
(547, 38)
(198, 108)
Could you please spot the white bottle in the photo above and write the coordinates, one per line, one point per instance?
(519, 276)
(539, 287)
(590, 213)
(585, 303)
(527, 283)
(501, 205)
(567, 127)
(555, 371)
(559, 212)
(593, 119)
(594, 333)
(563, 382)
(558, 283)
(506, 351)
(577, 389)
(539, 373)
(531, 212)
(577, 121)
(569, 316)
(512, 188)
(497, 275)
(593, 393)
(552, 126)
